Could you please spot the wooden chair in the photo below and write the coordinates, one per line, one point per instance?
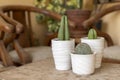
(111, 53)
(8, 26)
(23, 14)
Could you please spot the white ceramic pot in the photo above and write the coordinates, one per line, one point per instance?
(61, 53)
(83, 64)
(97, 45)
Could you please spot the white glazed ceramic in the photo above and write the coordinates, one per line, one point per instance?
(83, 64)
(97, 45)
(61, 53)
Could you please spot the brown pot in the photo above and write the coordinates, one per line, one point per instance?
(78, 16)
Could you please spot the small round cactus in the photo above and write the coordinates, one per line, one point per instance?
(83, 48)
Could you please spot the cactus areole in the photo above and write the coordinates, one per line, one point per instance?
(83, 49)
(92, 34)
(63, 33)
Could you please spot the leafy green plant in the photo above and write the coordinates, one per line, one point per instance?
(63, 33)
(83, 48)
(92, 34)
(58, 6)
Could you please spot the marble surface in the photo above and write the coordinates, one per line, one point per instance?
(44, 70)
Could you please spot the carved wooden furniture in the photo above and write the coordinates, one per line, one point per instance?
(8, 26)
(18, 12)
(90, 23)
(23, 15)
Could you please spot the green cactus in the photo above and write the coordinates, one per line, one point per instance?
(92, 34)
(79, 4)
(63, 33)
(83, 48)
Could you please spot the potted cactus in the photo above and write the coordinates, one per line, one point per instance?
(83, 60)
(96, 44)
(62, 46)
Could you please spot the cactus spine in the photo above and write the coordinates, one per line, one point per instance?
(79, 4)
(92, 34)
(63, 33)
(83, 48)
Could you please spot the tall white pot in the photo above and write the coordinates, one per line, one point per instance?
(83, 64)
(61, 53)
(97, 45)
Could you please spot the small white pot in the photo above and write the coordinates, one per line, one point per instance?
(97, 45)
(83, 64)
(61, 53)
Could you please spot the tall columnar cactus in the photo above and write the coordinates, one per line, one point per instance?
(79, 4)
(83, 48)
(92, 34)
(63, 33)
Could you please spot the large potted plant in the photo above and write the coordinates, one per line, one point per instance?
(83, 60)
(62, 46)
(78, 15)
(96, 44)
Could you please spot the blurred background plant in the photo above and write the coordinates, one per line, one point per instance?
(58, 6)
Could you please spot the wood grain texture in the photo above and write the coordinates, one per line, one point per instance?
(91, 21)
(12, 28)
(22, 14)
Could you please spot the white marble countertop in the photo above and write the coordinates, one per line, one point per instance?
(44, 70)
